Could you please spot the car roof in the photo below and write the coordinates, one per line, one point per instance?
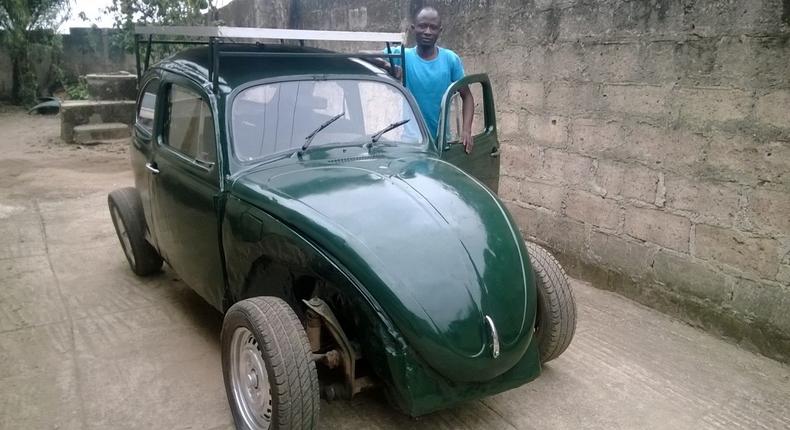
(240, 69)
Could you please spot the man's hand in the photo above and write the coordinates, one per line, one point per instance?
(467, 141)
(395, 71)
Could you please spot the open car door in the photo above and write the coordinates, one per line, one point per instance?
(483, 162)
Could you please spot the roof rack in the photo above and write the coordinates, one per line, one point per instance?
(216, 36)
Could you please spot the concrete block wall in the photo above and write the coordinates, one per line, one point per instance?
(647, 143)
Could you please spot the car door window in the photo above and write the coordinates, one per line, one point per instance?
(189, 128)
(455, 115)
(146, 105)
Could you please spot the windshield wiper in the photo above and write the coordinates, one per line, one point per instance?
(326, 124)
(375, 138)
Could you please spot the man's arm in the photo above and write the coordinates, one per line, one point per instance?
(468, 112)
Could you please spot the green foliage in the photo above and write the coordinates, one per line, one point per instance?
(26, 24)
(78, 91)
(127, 13)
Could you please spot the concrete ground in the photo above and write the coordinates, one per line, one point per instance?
(86, 344)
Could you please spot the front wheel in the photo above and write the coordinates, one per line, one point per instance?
(555, 324)
(126, 211)
(270, 379)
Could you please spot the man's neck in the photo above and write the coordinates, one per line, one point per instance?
(427, 52)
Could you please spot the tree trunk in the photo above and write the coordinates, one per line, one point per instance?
(24, 86)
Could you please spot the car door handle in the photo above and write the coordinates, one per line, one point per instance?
(152, 168)
(495, 153)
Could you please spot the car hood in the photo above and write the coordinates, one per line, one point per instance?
(432, 245)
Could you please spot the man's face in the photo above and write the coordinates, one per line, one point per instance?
(427, 28)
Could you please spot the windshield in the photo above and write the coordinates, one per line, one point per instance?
(274, 117)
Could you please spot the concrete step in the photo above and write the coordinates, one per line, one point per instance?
(112, 86)
(79, 112)
(91, 134)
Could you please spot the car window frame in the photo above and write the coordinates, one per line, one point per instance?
(148, 134)
(427, 141)
(166, 83)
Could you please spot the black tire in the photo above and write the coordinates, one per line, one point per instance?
(126, 211)
(268, 327)
(556, 320)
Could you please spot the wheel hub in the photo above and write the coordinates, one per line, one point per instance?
(249, 380)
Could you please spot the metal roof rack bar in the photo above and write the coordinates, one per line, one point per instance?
(304, 54)
(270, 33)
(217, 35)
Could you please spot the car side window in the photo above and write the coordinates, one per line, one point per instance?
(189, 128)
(145, 109)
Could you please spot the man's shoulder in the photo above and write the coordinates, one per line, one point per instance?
(449, 53)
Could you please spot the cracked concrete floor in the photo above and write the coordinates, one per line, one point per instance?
(86, 344)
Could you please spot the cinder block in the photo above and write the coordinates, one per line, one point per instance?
(619, 179)
(592, 136)
(770, 210)
(564, 62)
(753, 62)
(593, 209)
(583, 20)
(522, 93)
(610, 62)
(763, 303)
(547, 130)
(774, 109)
(663, 147)
(568, 168)
(662, 228)
(543, 195)
(688, 275)
(754, 254)
(742, 159)
(783, 277)
(624, 256)
(507, 123)
(714, 204)
(509, 188)
(633, 99)
(712, 104)
(519, 161)
(638, 142)
(560, 233)
(578, 98)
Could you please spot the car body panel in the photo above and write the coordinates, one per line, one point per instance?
(427, 240)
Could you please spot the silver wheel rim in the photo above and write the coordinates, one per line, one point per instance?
(249, 380)
(126, 244)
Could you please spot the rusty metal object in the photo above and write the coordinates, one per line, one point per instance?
(332, 359)
(314, 330)
(346, 356)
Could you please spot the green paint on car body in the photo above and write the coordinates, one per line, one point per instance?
(411, 234)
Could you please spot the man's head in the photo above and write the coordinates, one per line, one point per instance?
(427, 27)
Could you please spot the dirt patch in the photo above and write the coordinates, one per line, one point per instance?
(36, 163)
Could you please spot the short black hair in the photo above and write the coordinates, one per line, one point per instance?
(427, 9)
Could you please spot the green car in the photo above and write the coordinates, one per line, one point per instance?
(299, 193)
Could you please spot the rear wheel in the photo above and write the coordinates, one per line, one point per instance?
(270, 379)
(556, 320)
(126, 211)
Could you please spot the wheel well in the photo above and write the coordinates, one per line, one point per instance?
(269, 277)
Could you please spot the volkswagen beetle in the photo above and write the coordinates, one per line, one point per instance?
(347, 249)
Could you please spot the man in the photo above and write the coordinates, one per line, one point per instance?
(430, 70)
